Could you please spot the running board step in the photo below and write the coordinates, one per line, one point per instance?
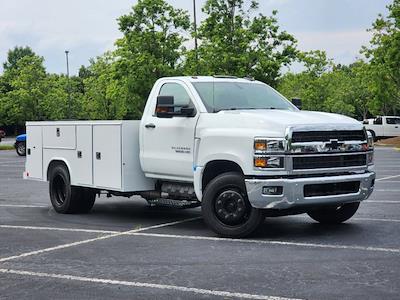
(173, 203)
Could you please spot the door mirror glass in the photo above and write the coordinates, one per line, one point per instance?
(378, 121)
(297, 102)
(166, 108)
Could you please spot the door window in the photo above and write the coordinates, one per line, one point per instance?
(181, 97)
(393, 121)
(378, 121)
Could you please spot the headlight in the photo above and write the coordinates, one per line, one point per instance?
(268, 145)
(370, 140)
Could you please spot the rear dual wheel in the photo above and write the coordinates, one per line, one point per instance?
(226, 209)
(67, 199)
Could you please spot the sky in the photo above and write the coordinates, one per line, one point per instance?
(88, 28)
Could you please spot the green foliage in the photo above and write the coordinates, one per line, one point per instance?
(234, 39)
(14, 55)
(233, 42)
(384, 55)
(151, 48)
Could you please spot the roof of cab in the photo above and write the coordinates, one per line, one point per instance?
(216, 78)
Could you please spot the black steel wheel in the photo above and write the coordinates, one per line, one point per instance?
(226, 209)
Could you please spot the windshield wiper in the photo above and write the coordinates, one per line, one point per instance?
(246, 108)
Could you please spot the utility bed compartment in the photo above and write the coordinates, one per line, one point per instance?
(99, 154)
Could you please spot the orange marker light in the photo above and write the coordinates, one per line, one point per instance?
(260, 162)
(260, 145)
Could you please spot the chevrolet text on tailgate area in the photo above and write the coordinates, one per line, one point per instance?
(234, 146)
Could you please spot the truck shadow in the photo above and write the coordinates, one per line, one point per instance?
(296, 227)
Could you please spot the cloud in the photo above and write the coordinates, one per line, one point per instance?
(88, 27)
(343, 46)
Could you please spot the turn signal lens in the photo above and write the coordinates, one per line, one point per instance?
(260, 162)
(260, 145)
(272, 162)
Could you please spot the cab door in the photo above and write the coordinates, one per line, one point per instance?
(168, 142)
(392, 127)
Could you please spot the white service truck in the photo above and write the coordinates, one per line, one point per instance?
(383, 126)
(234, 146)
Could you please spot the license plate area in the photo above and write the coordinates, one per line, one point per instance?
(331, 189)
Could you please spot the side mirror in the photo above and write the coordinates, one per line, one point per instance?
(297, 102)
(166, 108)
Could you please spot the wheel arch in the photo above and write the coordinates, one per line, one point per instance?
(217, 167)
(54, 162)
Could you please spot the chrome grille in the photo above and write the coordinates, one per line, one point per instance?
(326, 136)
(328, 161)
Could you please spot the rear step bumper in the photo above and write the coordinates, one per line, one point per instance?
(310, 191)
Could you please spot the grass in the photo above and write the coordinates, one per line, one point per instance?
(6, 147)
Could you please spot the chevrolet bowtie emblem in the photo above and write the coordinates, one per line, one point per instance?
(333, 144)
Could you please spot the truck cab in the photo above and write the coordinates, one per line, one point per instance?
(383, 126)
(234, 146)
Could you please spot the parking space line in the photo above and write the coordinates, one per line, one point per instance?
(385, 190)
(376, 219)
(58, 229)
(23, 205)
(268, 242)
(387, 177)
(36, 252)
(11, 162)
(382, 201)
(145, 285)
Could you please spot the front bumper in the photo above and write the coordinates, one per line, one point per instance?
(293, 191)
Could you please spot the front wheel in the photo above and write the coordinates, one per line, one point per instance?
(20, 147)
(226, 209)
(334, 215)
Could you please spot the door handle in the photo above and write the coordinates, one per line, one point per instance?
(150, 125)
(396, 126)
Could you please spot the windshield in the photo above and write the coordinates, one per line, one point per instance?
(218, 96)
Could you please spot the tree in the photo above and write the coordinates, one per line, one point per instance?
(232, 42)
(14, 55)
(151, 48)
(27, 88)
(105, 95)
(308, 84)
(384, 55)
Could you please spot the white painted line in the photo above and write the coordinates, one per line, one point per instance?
(269, 242)
(381, 201)
(11, 162)
(145, 285)
(387, 177)
(23, 205)
(385, 190)
(376, 219)
(391, 181)
(92, 240)
(58, 229)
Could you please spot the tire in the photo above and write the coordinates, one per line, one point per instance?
(67, 199)
(20, 147)
(373, 135)
(334, 215)
(226, 208)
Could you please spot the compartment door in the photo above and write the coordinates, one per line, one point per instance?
(107, 168)
(84, 155)
(34, 152)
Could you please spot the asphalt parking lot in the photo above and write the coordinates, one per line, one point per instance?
(126, 249)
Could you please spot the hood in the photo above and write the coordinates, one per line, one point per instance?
(273, 122)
